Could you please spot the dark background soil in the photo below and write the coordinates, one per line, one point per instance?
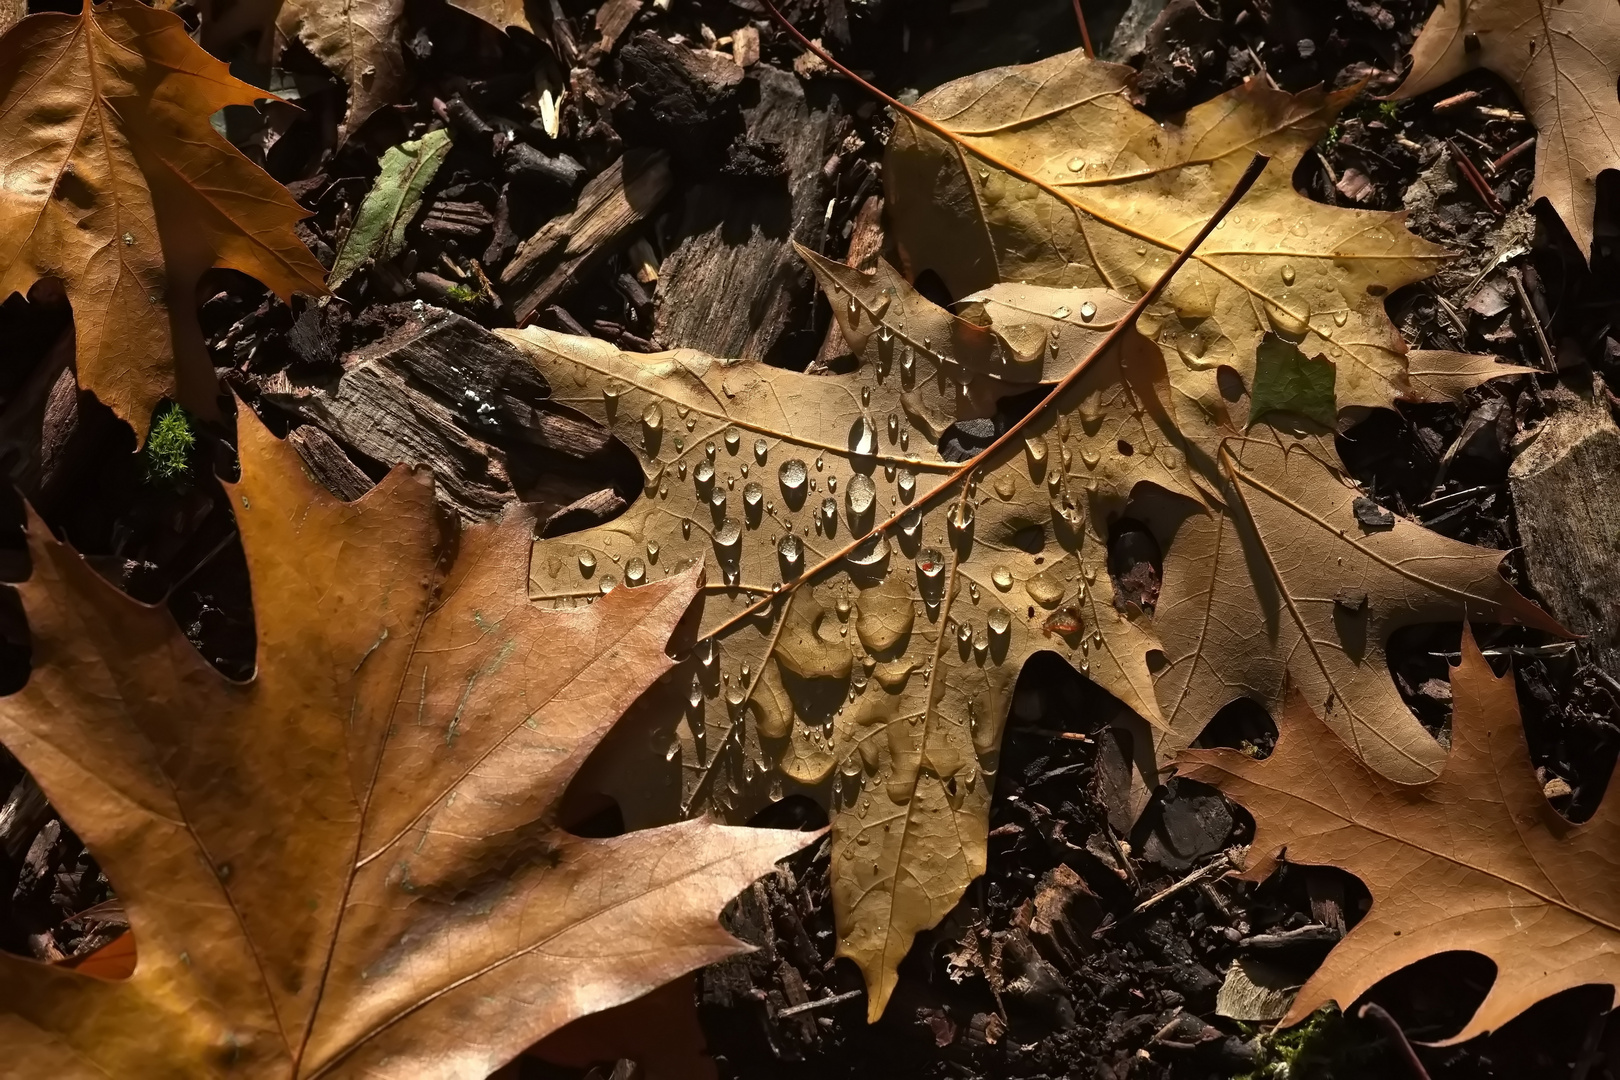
(1088, 989)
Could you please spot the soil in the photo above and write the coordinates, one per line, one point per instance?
(1044, 970)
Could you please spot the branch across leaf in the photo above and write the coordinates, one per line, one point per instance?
(1475, 859)
(119, 187)
(352, 864)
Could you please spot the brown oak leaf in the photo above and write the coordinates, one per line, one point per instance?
(1475, 859)
(351, 864)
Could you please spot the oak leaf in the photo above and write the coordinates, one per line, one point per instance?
(1475, 859)
(352, 864)
(1050, 176)
(1562, 57)
(503, 14)
(874, 602)
(119, 186)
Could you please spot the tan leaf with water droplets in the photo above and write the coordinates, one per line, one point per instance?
(1055, 179)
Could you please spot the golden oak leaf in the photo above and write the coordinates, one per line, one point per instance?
(119, 187)
(1051, 177)
(1562, 57)
(358, 41)
(351, 865)
(1475, 859)
(874, 603)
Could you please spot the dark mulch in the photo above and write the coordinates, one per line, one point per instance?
(1042, 971)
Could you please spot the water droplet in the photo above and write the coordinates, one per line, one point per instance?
(1000, 621)
(885, 335)
(1004, 485)
(829, 513)
(1340, 318)
(610, 396)
(708, 450)
(861, 495)
(905, 364)
(1090, 457)
(871, 551)
(1045, 588)
(727, 538)
(717, 498)
(707, 652)
(792, 475)
(704, 474)
(832, 483)
(635, 571)
(1076, 164)
(1059, 313)
(733, 440)
(761, 448)
(1036, 449)
(905, 439)
(930, 563)
(686, 527)
(964, 633)
(608, 583)
(1288, 275)
(652, 550)
(587, 563)
(680, 469)
(694, 696)
(1088, 311)
(906, 483)
(820, 463)
(910, 522)
(960, 518)
(674, 749)
(753, 495)
(791, 551)
(1002, 578)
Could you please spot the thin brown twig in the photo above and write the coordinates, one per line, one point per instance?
(1085, 34)
(1476, 180)
(1403, 1046)
(1532, 318)
(1502, 162)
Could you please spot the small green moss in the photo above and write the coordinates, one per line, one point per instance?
(1330, 140)
(1324, 1047)
(169, 445)
(1388, 109)
(463, 294)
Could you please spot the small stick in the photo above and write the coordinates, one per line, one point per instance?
(795, 1010)
(1476, 180)
(1501, 163)
(1531, 318)
(1457, 99)
(1375, 1012)
(1219, 866)
(1085, 34)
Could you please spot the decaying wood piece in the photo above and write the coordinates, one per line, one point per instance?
(865, 245)
(568, 247)
(730, 285)
(1569, 520)
(446, 393)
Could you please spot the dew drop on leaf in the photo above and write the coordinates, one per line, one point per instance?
(793, 476)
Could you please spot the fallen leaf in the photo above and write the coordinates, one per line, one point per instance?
(1474, 860)
(1562, 57)
(1441, 375)
(874, 603)
(391, 204)
(350, 864)
(358, 41)
(1287, 380)
(119, 186)
(502, 14)
(1053, 178)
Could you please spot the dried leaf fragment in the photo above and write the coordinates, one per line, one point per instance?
(350, 865)
(1563, 59)
(391, 204)
(119, 186)
(1475, 859)
(359, 41)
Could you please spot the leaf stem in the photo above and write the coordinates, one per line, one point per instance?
(1085, 33)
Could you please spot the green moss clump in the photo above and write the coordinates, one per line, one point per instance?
(169, 444)
(1324, 1047)
(463, 294)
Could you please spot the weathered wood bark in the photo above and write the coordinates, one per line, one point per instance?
(569, 247)
(446, 393)
(1568, 501)
(732, 283)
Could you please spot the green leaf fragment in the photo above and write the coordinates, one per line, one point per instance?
(391, 204)
(1286, 380)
